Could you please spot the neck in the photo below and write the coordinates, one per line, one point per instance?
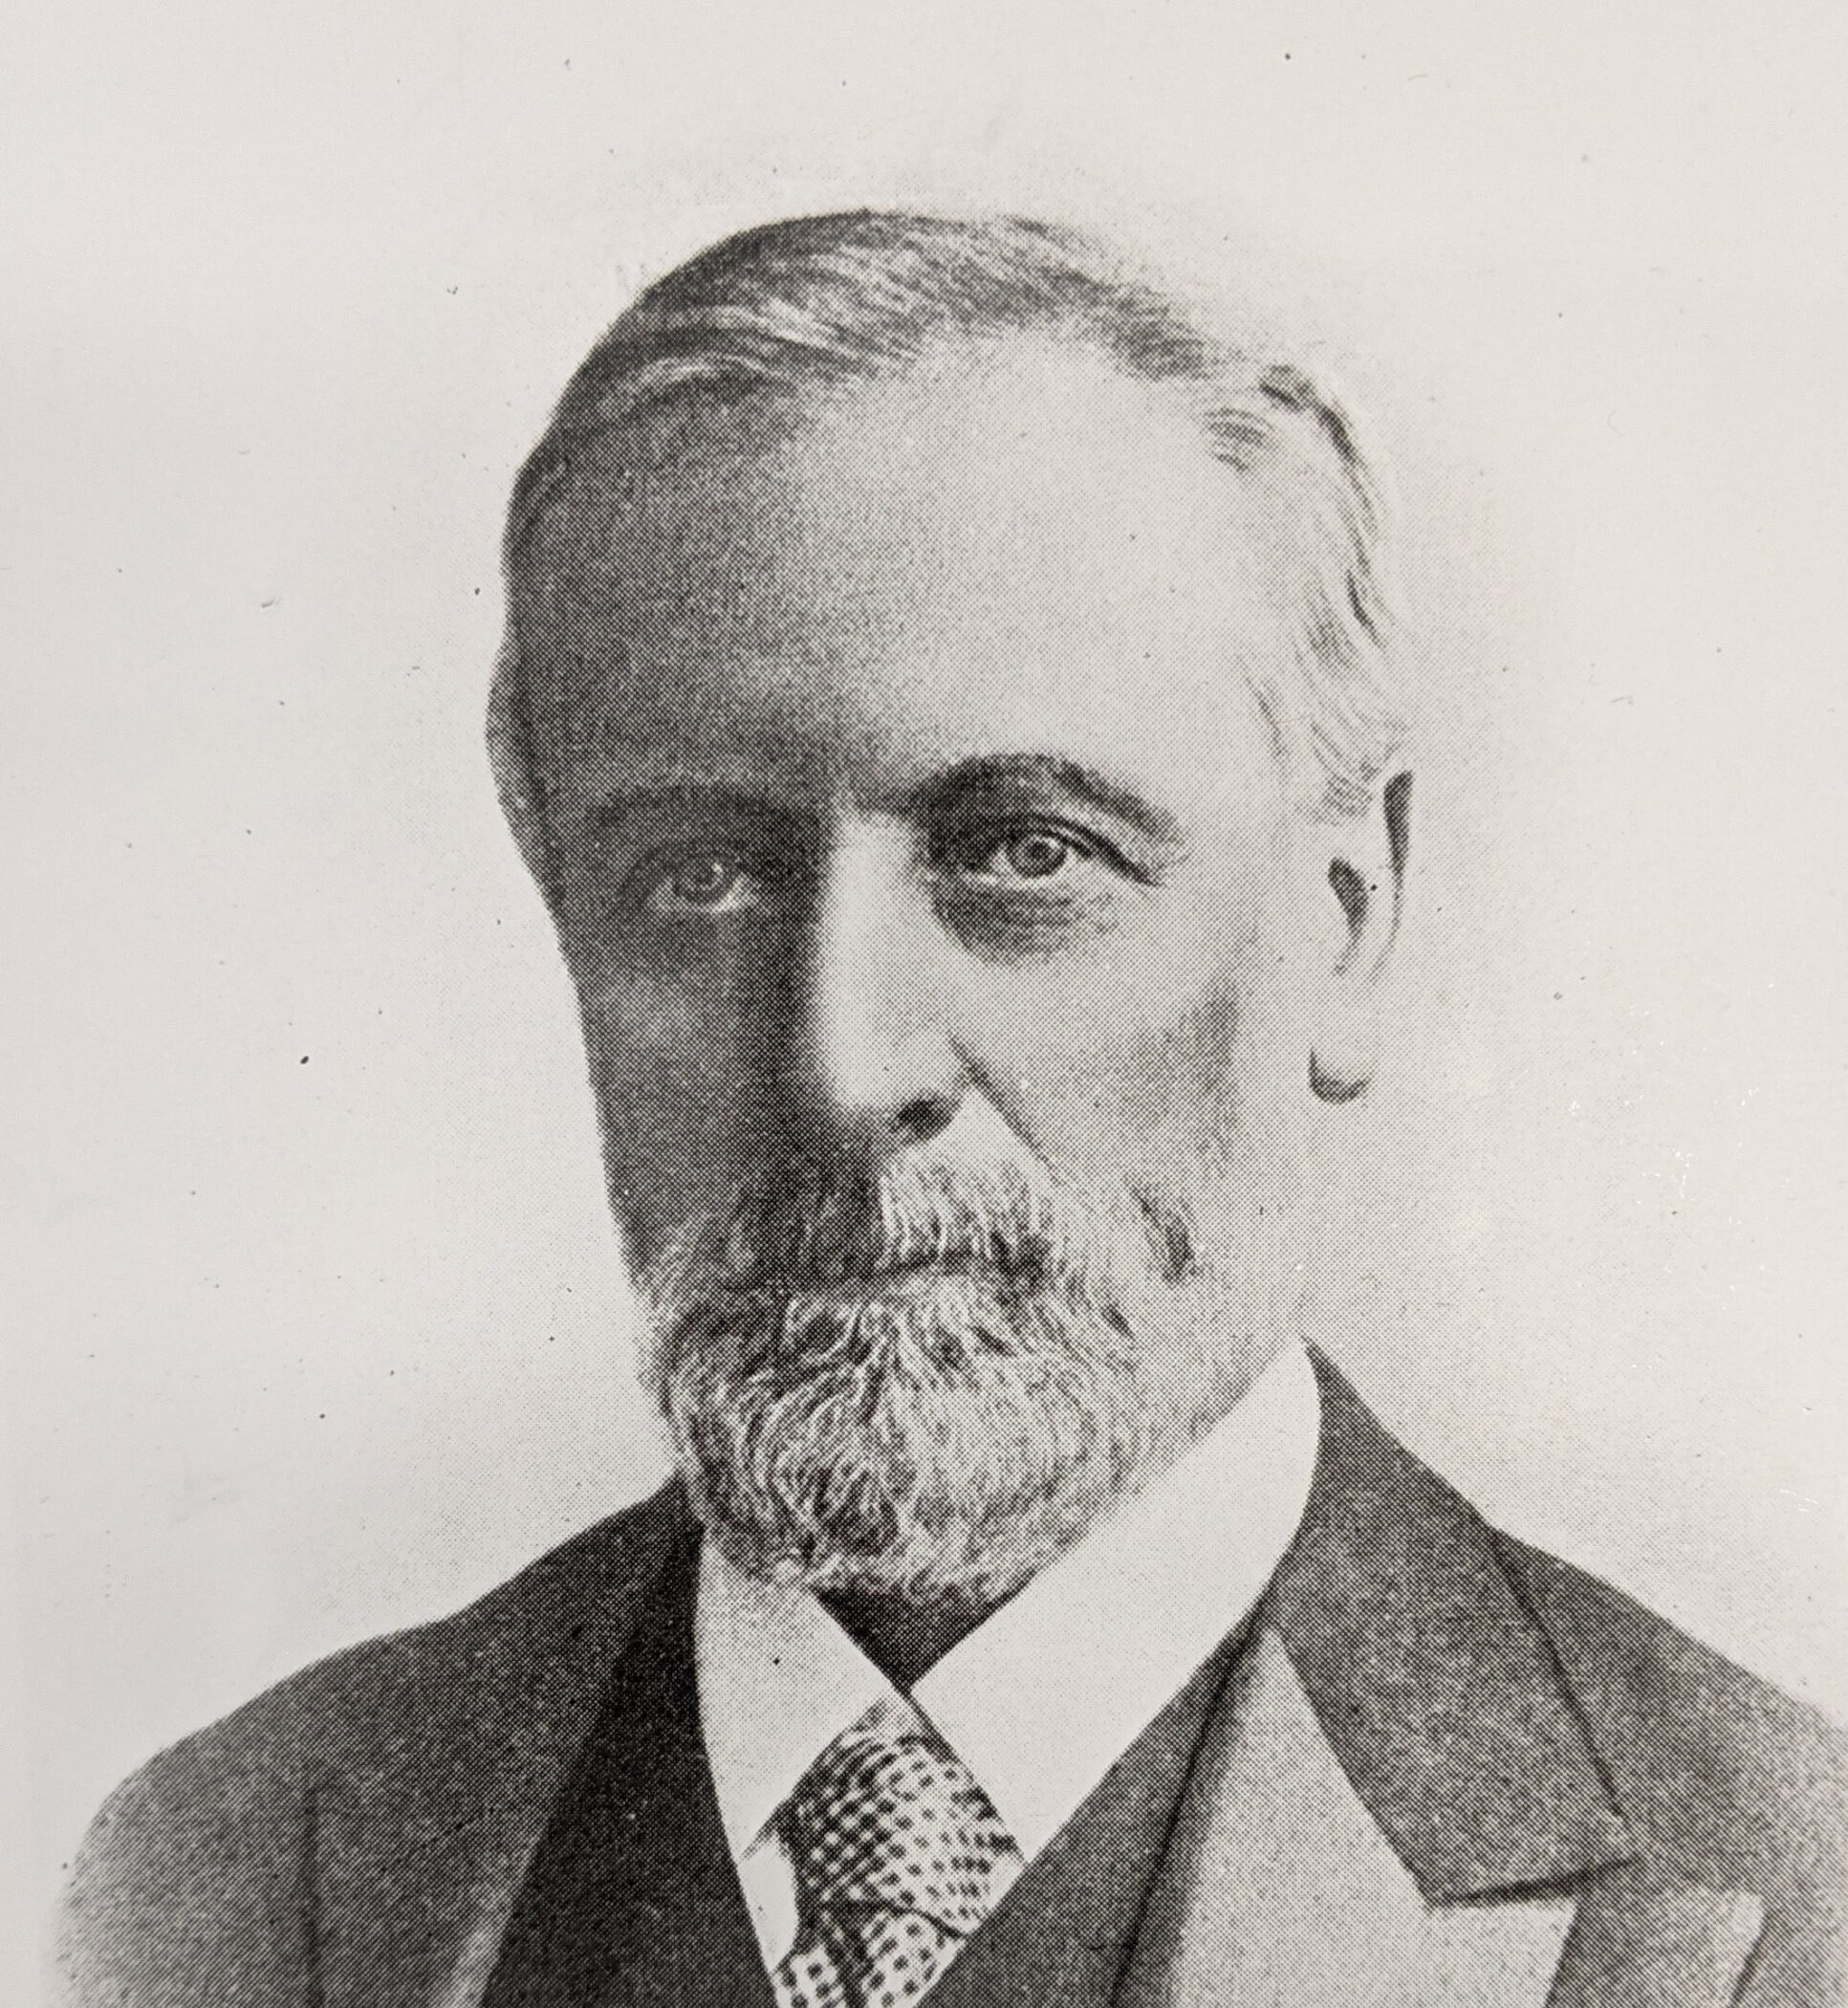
(904, 1638)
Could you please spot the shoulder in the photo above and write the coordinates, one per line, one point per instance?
(366, 1700)
(1727, 1782)
(212, 1834)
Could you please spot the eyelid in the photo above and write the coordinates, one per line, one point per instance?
(992, 832)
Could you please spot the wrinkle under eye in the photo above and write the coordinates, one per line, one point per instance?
(1029, 889)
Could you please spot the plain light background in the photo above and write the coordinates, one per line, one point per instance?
(313, 1320)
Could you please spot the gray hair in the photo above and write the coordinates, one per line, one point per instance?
(825, 301)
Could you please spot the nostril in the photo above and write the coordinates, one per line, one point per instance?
(922, 1119)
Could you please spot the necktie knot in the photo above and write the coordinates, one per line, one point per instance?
(898, 1854)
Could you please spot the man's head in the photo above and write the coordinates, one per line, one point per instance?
(944, 707)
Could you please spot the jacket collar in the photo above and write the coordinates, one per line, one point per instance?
(1435, 1685)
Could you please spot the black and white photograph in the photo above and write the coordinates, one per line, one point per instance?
(927, 1006)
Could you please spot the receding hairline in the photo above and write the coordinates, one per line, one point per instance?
(806, 302)
(747, 420)
(622, 474)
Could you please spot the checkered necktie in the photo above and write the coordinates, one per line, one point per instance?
(898, 1855)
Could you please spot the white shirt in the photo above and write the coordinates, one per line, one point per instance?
(1041, 1699)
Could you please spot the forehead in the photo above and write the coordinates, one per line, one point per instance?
(1016, 549)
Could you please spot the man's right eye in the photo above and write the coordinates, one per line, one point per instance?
(710, 883)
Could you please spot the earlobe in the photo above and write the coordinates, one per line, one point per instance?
(1338, 1086)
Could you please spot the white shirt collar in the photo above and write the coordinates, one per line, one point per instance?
(1096, 1644)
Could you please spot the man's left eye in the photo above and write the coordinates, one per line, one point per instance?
(1030, 853)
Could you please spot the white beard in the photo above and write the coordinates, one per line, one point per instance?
(926, 1388)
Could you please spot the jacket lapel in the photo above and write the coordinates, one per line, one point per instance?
(1281, 1891)
(1061, 1936)
(1435, 1685)
(631, 1897)
(1398, 1801)
(418, 1853)
(1635, 1945)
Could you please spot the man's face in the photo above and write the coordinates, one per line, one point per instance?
(933, 901)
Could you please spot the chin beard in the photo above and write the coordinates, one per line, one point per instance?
(922, 1388)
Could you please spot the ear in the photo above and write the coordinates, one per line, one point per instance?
(1365, 877)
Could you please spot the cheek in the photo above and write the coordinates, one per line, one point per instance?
(1188, 1087)
(674, 1073)
(1133, 1080)
(1178, 1029)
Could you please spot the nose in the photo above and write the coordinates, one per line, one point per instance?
(880, 1067)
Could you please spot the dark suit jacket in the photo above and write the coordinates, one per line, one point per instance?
(1439, 1766)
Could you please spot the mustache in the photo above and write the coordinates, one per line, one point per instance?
(1011, 1222)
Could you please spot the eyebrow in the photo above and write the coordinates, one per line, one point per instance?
(942, 795)
(1045, 774)
(619, 807)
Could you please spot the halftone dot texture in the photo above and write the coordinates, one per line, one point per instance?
(898, 1855)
